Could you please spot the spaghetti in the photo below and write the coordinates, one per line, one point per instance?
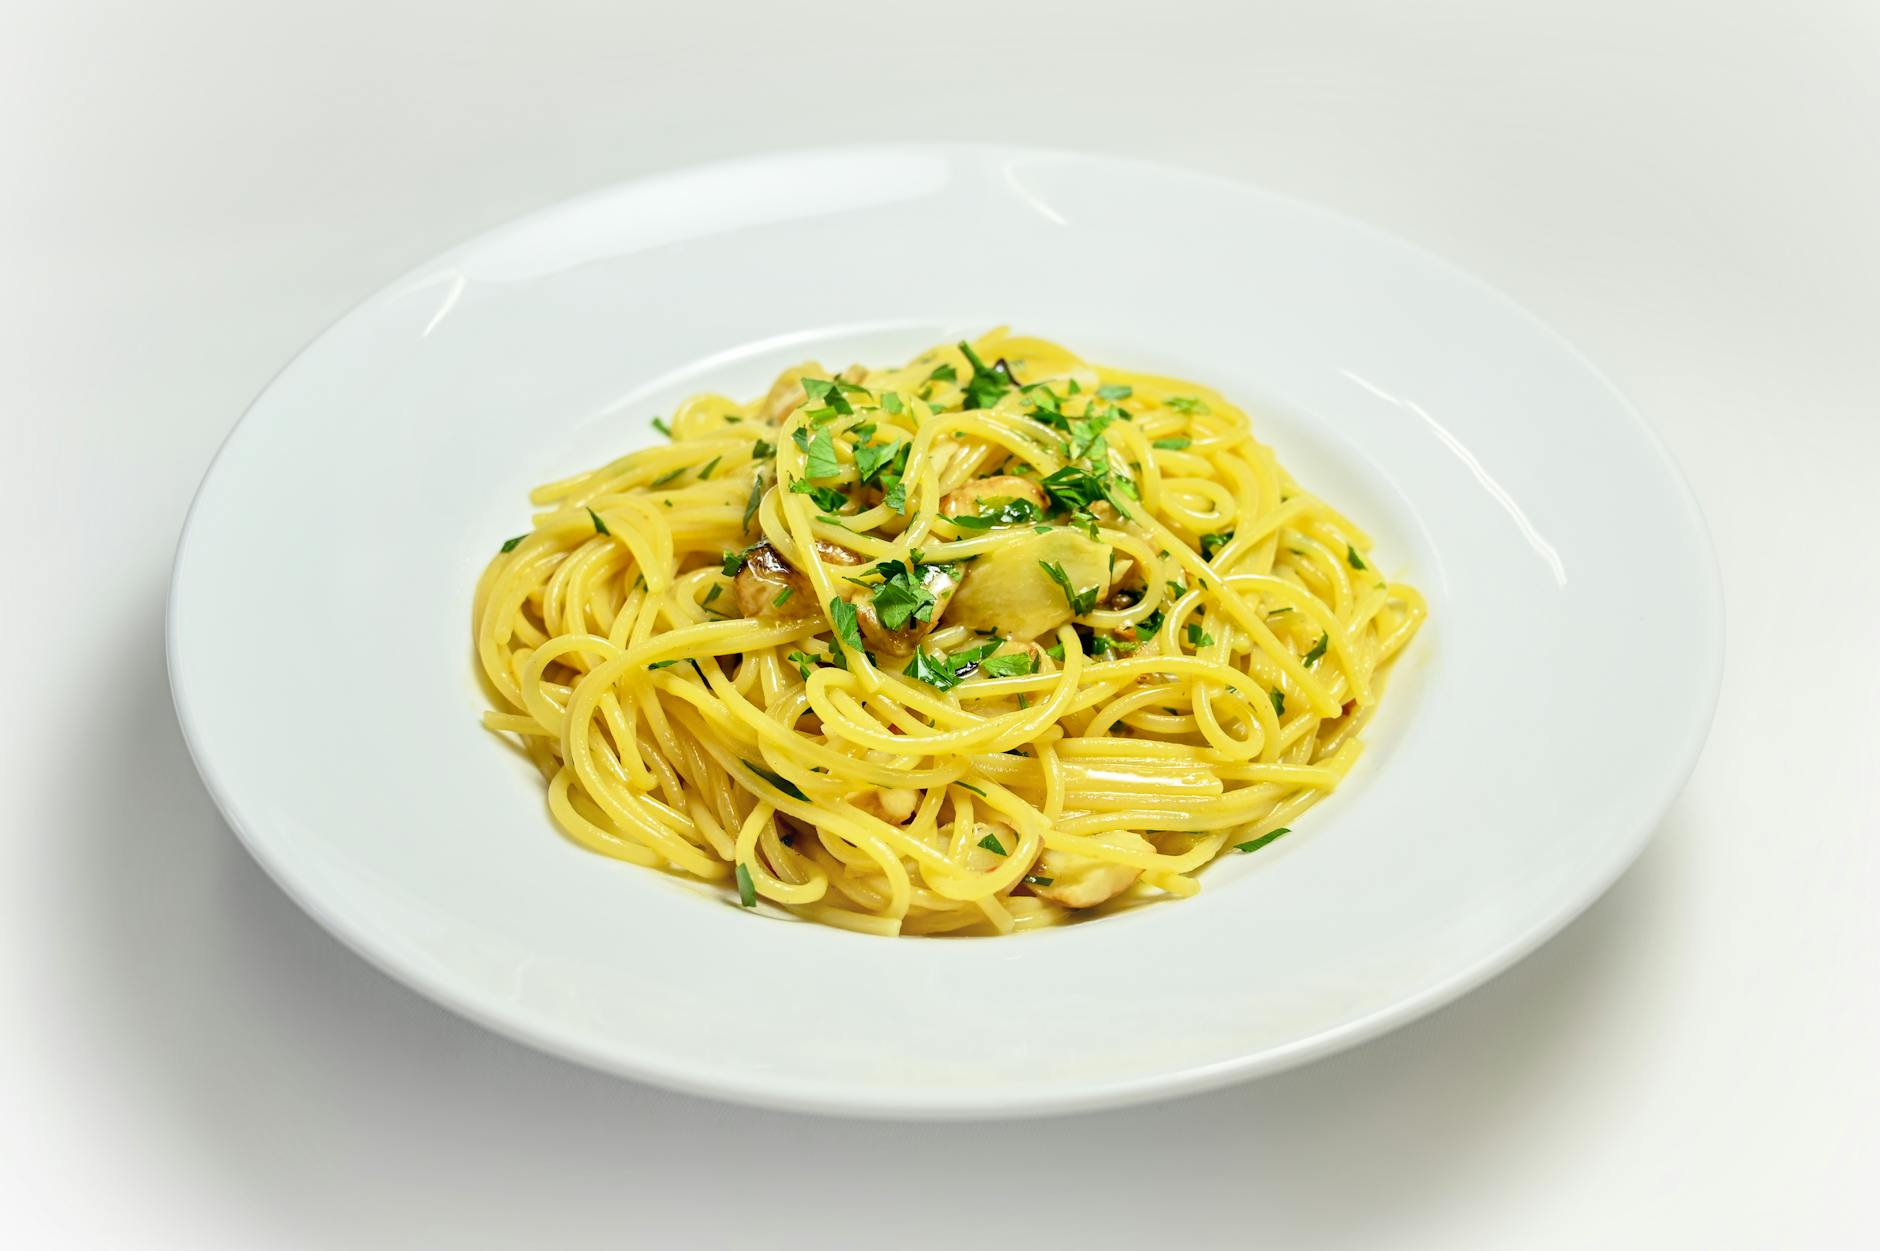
(953, 647)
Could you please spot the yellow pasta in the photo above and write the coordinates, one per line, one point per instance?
(955, 647)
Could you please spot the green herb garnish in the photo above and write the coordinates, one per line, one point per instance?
(778, 780)
(1080, 602)
(1185, 404)
(1172, 445)
(1279, 701)
(659, 424)
(1114, 391)
(709, 466)
(664, 478)
(1017, 664)
(848, 630)
(1003, 511)
(600, 527)
(992, 844)
(783, 597)
(1263, 840)
(747, 889)
(1352, 558)
(1199, 637)
(1318, 650)
(509, 545)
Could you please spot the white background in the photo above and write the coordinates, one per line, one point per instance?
(1689, 191)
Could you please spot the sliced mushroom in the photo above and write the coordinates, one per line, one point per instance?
(1008, 590)
(766, 575)
(971, 498)
(939, 580)
(786, 393)
(1084, 882)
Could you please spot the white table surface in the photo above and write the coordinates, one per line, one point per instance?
(1686, 190)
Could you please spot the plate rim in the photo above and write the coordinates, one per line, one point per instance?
(948, 1103)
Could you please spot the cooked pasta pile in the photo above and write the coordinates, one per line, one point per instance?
(976, 644)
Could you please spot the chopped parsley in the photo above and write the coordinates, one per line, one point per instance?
(1114, 391)
(1212, 543)
(1318, 651)
(871, 459)
(820, 456)
(1001, 511)
(1263, 840)
(1073, 489)
(946, 373)
(825, 394)
(747, 889)
(991, 843)
(783, 597)
(1172, 445)
(600, 527)
(756, 498)
(734, 562)
(828, 499)
(659, 424)
(1176, 590)
(664, 478)
(1080, 602)
(1199, 637)
(931, 669)
(848, 631)
(901, 597)
(509, 545)
(709, 466)
(777, 780)
(803, 663)
(890, 402)
(1015, 665)
(1032, 879)
(718, 588)
(1279, 701)
(986, 385)
(1352, 558)
(1185, 404)
(763, 449)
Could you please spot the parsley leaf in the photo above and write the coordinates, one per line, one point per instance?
(871, 459)
(718, 588)
(945, 373)
(664, 478)
(1072, 489)
(902, 598)
(1080, 602)
(659, 424)
(1318, 651)
(1279, 701)
(600, 527)
(1172, 445)
(1004, 511)
(1263, 840)
(1212, 543)
(1186, 404)
(747, 889)
(1199, 637)
(763, 449)
(933, 670)
(756, 498)
(509, 545)
(734, 562)
(1352, 558)
(890, 402)
(848, 630)
(777, 780)
(783, 597)
(820, 456)
(986, 385)
(1015, 665)
(803, 663)
(1114, 391)
(1032, 879)
(828, 499)
(825, 394)
(991, 843)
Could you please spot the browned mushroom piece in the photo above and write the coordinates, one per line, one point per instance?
(767, 575)
(972, 498)
(939, 580)
(786, 393)
(1009, 591)
(1073, 881)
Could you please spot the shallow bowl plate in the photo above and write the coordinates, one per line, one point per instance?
(319, 628)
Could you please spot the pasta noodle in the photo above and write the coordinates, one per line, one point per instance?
(953, 647)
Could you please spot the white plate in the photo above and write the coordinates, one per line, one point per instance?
(1540, 726)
